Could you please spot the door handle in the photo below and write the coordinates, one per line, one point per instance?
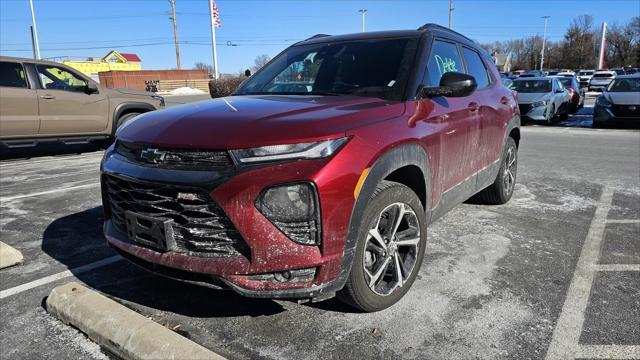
(473, 106)
(47, 97)
(504, 100)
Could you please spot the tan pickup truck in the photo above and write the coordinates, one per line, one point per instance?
(48, 102)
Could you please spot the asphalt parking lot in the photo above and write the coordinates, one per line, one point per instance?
(554, 273)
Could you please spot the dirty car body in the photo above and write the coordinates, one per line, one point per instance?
(271, 192)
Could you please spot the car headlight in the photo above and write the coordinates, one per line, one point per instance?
(602, 101)
(311, 150)
(539, 103)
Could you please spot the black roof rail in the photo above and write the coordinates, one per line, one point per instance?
(317, 36)
(431, 26)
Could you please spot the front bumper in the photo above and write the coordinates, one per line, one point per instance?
(538, 113)
(616, 114)
(269, 250)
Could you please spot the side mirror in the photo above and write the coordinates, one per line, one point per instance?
(247, 73)
(452, 84)
(91, 88)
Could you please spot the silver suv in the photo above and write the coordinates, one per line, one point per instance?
(601, 79)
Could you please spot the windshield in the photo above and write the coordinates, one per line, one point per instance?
(603, 75)
(625, 85)
(586, 73)
(374, 68)
(566, 82)
(532, 86)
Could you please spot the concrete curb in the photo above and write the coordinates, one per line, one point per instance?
(9, 256)
(118, 328)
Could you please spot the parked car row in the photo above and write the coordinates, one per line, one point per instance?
(592, 80)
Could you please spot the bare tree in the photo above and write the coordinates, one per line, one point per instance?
(622, 41)
(203, 66)
(259, 62)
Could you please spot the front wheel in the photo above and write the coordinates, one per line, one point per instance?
(390, 249)
(501, 190)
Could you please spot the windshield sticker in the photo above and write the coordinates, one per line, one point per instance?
(445, 65)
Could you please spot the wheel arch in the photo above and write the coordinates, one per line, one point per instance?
(398, 164)
(126, 108)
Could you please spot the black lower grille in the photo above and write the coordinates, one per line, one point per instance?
(174, 158)
(524, 108)
(200, 226)
(626, 111)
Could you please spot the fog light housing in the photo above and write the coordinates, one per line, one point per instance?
(294, 210)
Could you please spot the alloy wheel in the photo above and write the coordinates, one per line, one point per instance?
(510, 168)
(391, 249)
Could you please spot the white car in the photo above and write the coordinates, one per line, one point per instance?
(566, 73)
(601, 79)
(584, 76)
(542, 99)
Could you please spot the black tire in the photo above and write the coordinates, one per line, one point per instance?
(565, 114)
(124, 118)
(499, 192)
(357, 291)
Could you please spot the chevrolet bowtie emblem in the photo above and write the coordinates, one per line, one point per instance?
(152, 155)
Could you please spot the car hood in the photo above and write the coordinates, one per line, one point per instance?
(249, 121)
(527, 98)
(133, 92)
(623, 98)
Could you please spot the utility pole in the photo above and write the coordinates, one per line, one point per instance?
(544, 40)
(450, 12)
(175, 32)
(34, 33)
(603, 45)
(363, 12)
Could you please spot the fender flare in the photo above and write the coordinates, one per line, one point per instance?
(396, 158)
(514, 123)
(121, 108)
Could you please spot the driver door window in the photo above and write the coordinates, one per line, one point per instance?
(55, 78)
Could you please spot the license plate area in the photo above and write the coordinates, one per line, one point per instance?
(149, 231)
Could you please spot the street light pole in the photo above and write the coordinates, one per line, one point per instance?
(363, 12)
(36, 45)
(544, 40)
(450, 12)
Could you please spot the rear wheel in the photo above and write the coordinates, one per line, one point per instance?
(390, 249)
(501, 190)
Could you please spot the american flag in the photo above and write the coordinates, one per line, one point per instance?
(216, 14)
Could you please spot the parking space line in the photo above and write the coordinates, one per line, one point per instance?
(618, 267)
(566, 335)
(624, 221)
(608, 352)
(9, 198)
(61, 275)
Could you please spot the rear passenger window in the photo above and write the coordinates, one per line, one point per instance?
(444, 58)
(475, 67)
(12, 75)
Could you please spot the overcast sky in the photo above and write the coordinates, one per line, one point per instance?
(84, 28)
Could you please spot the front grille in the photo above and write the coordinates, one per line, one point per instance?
(625, 111)
(524, 108)
(200, 226)
(174, 158)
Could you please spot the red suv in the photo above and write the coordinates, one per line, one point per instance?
(320, 175)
